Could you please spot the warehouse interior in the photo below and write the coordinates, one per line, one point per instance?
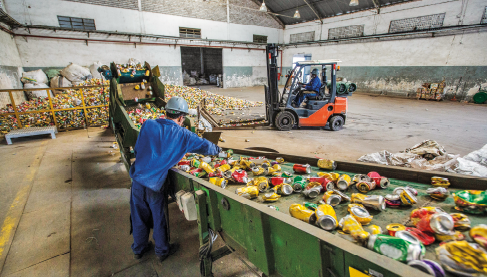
(402, 92)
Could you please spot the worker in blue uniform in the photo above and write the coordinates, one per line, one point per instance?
(310, 90)
(161, 144)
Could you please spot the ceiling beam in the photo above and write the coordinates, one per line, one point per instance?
(273, 16)
(314, 10)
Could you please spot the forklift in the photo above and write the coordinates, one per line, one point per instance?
(325, 108)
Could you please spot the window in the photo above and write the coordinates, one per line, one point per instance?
(302, 37)
(484, 17)
(189, 32)
(346, 32)
(260, 39)
(417, 23)
(76, 23)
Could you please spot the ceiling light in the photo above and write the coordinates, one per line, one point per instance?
(296, 14)
(263, 8)
(353, 3)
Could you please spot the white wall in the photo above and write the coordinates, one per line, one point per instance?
(10, 69)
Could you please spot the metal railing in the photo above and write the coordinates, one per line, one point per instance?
(51, 109)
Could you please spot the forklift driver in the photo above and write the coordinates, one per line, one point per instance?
(310, 90)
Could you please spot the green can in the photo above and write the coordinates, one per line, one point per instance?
(396, 248)
(311, 206)
(299, 179)
(195, 163)
(299, 186)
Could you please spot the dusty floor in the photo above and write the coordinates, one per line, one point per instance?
(64, 203)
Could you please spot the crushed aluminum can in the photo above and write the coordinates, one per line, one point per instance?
(257, 171)
(392, 197)
(343, 196)
(206, 159)
(286, 189)
(271, 197)
(394, 227)
(274, 169)
(260, 182)
(343, 182)
(373, 229)
(273, 207)
(246, 163)
(395, 248)
(279, 180)
(365, 187)
(438, 193)
(327, 185)
(405, 235)
(471, 201)
(360, 213)
(206, 167)
(299, 186)
(381, 181)
(320, 180)
(240, 176)
(357, 178)
(312, 185)
(326, 217)
(312, 192)
(302, 168)
(186, 162)
(393, 203)
(286, 174)
(461, 222)
(248, 192)
(327, 164)
(224, 155)
(280, 160)
(376, 202)
(437, 181)
(412, 190)
(331, 198)
(479, 234)
(428, 266)
(425, 238)
(195, 163)
(302, 213)
(184, 167)
(437, 223)
(407, 197)
(223, 167)
(351, 226)
(220, 182)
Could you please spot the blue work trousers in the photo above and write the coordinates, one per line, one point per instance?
(146, 211)
(301, 96)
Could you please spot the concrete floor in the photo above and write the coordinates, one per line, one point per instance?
(64, 203)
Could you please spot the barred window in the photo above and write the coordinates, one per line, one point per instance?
(260, 39)
(302, 37)
(76, 23)
(484, 17)
(346, 32)
(417, 23)
(189, 32)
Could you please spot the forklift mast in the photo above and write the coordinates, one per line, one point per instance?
(272, 89)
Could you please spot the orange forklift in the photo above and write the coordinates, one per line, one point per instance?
(325, 108)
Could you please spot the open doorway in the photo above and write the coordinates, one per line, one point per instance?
(201, 66)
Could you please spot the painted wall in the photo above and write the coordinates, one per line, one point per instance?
(45, 53)
(10, 69)
(243, 68)
(398, 67)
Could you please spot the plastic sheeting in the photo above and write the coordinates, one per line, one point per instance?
(429, 155)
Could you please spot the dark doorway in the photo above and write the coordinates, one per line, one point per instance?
(201, 66)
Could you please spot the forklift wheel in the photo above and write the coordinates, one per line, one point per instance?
(336, 123)
(284, 121)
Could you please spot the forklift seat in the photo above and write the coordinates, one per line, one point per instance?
(320, 95)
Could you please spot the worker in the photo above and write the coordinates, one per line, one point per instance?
(310, 89)
(161, 144)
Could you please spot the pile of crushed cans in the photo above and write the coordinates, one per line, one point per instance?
(140, 113)
(216, 104)
(406, 244)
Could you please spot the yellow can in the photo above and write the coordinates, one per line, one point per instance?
(440, 181)
(257, 171)
(248, 192)
(223, 168)
(280, 160)
(373, 229)
(343, 182)
(394, 227)
(357, 198)
(360, 213)
(331, 198)
(351, 226)
(271, 197)
(260, 182)
(479, 234)
(206, 167)
(326, 217)
(302, 213)
(217, 181)
(327, 164)
(324, 174)
(275, 168)
(246, 164)
(407, 198)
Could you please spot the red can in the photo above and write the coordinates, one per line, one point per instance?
(240, 176)
(217, 173)
(320, 180)
(186, 162)
(425, 237)
(275, 181)
(327, 184)
(302, 168)
(380, 181)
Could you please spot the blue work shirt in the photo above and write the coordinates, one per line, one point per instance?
(161, 145)
(314, 84)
